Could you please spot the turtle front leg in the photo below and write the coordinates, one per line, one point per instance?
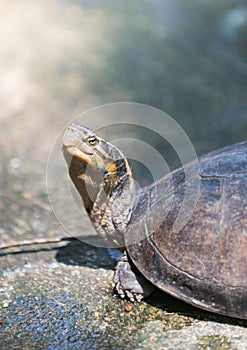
(129, 282)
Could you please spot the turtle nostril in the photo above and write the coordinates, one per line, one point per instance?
(71, 127)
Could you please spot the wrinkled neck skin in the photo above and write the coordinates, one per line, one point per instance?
(109, 197)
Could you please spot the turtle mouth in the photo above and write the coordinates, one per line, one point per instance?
(73, 143)
(77, 151)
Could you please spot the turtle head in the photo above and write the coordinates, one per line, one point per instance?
(94, 152)
(102, 176)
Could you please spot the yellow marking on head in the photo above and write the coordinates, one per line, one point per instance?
(111, 168)
(87, 159)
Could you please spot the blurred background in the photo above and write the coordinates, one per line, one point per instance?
(60, 58)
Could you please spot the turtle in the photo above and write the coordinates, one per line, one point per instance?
(204, 262)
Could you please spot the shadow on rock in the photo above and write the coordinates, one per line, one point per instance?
(83, 254)
(171, 304)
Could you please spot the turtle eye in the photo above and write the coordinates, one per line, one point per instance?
(92, 141)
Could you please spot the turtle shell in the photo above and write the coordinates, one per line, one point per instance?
(205, 261)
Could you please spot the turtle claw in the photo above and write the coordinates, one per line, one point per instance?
(128, 282)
